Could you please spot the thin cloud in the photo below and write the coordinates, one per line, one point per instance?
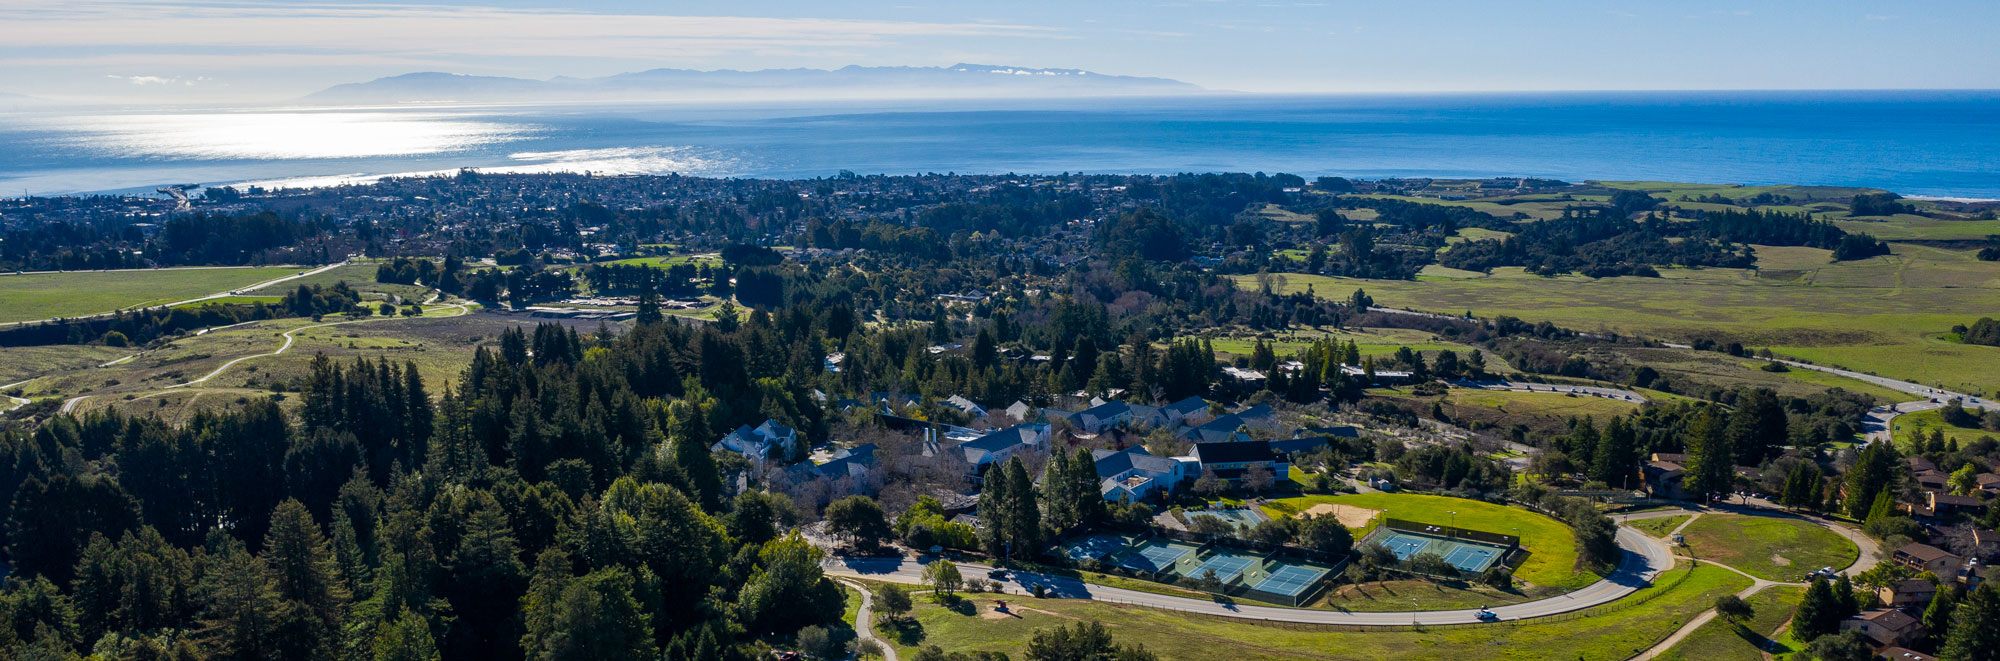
(409, 30)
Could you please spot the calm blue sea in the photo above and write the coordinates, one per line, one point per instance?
(1937, 143)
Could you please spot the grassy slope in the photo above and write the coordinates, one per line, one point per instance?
(1908, 425)
(1726, 370)
(1659, 527)
(1552, 548)
(1722, 641)
(77, 293)
(1754, 544)
(1420, 595)
(1613, 635)
(17, 363)
(1538, 409)
(1881, 315)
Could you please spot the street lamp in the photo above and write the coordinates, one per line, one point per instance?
(1454, 523)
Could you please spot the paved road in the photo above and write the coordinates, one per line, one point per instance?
(1645, 558)
(864, 621)
(18, 402)
(213, 296)
(1925, 392)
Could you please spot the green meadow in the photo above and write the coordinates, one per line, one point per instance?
(78, 293)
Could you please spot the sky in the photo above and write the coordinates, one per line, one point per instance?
(270, 51)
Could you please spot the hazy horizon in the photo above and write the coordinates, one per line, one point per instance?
(273, 51)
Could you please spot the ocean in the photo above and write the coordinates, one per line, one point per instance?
(1926, 143)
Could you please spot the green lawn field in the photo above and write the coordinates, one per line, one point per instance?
(1658, 527)
(1388, 596)
(1551, 546)
(78, 293)
(1617, 634)
(1909, 424)
(1722, 641)
(1883, 315)
(1771, 548)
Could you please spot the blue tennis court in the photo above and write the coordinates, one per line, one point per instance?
(1472, 559)
(1226, 566)
(1406, 546)
(1155, 557)
(1290, 580)
(1094, 547)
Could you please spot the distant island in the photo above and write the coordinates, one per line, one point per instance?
(958, 80)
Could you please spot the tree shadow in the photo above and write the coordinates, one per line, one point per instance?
(907, 632)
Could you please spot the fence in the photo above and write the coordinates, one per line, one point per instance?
(1508, 542)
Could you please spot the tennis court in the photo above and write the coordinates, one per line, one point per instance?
(1468, 556)
(1290, 580)
(1471, 559)
(1095, 547)
(1406, 546)
(1239, 518)
(1227, 566)
(1156, 555)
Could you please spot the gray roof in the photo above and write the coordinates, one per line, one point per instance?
(1113, 462)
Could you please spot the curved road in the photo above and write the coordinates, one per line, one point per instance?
(1645, 558)
(864, 621)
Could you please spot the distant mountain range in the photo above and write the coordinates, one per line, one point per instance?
(958, 80)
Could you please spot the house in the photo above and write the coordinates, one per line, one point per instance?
(1989, 483)
(767, 440)
(1665, 479)
(999, 445)
(1247, 377)
(1133, 475)
(1020, 411)
(849, 462)
(1300, 445)
(1220, 430)
(1885, 626)
(1189, 411)
(1903, 654)
(1103, 416)
(1924, 557)
(1908, 593)
(1234, 460)
(963, 405)
(1260, 415)
(834, 361)
(1944, 504)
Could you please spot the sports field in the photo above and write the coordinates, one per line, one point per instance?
(1468, 557)
(1155, 555)
(1551, 547)
(78, 293)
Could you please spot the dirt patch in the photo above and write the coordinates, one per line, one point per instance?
(1348, 515)
(1780, 560)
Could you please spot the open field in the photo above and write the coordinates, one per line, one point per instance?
(1616, 634)
(1545, 411)
(359, 275)
(1909, 424)
(1907, 227)
(1883, 315)
(1371, 341)
(1722, 641)
(1550, 544)
(1659, 527)
(1730, 371)
(18, 363)
(79, 293)
(1387, 596)
(1771, 548)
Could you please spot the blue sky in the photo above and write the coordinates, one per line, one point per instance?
(261, 50)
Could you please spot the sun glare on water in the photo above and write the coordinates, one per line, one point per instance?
(284, 135)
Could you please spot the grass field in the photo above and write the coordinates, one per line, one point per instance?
(1883, 315)
(1722, 641)
(1371, 341)
(1387, 596)
(79, 293)
(1617, 634)
(1658, 527)
(359, 275)
(1768, 547)
(1550, 544)
(17, 363)
(1538, 410)
(1725, 370)
(1909, 424)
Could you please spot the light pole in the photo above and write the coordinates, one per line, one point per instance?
(1454, 523)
